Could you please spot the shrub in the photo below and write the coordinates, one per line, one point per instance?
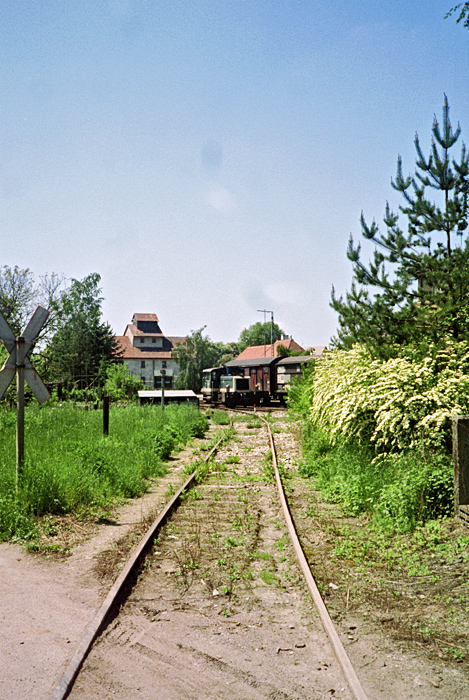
(391, 403)
(398, 490)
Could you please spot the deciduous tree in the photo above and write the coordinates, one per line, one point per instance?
(260, 334)
(463, 10)
(195, 354)
(83, 345)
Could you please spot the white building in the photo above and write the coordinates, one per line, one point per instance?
(147, 352)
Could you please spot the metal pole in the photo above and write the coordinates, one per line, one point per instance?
(20, 352)
(272, 333)
(266, 311)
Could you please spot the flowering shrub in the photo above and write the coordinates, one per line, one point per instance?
(392, 403)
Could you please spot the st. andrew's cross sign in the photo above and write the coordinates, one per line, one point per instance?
(18, 363)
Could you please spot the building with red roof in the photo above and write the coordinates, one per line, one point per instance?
(147, 352)
(257, 351)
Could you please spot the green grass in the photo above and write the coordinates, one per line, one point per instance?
(71, 467)
(399, 490)
(220, 417)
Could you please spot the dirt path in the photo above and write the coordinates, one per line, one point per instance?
(47, 601)
(220, 612)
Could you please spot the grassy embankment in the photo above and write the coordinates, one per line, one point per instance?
(70, 467)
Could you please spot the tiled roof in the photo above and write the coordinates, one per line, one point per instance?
(135, 331)
(145, 317)
(131, 353)
(176, 339)
(257, 351)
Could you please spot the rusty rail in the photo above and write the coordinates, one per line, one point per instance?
(339, 650)
(65, 685)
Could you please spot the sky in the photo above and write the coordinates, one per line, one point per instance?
(210, 158)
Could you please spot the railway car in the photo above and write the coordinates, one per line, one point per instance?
(254, 382)
(262, 376)
(226, 386)
(288, 368)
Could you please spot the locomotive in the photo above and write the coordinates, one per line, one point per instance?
(254, 382)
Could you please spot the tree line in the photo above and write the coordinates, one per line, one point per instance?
(75, 348)
(77, 352)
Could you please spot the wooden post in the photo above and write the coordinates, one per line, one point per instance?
(461, 465)
(105, 415)
(20, 354)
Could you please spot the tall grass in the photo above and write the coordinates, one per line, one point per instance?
(70, 466)
(398, 490)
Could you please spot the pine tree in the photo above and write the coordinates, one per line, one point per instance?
(416, 287)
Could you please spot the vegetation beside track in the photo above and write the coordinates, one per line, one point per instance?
(377, 518)
(377, 433)
(70, 467)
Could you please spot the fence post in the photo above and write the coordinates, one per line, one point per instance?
(461, 465)
(105, 415)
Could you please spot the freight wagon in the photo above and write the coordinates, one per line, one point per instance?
(255, 382)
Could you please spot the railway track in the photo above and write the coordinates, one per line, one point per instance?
(220, 576)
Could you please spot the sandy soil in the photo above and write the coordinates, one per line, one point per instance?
(220, 610)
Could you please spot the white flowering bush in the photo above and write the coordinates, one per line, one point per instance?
(393, 403)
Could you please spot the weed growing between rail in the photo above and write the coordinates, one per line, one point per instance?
(71, 467)
(215, 546)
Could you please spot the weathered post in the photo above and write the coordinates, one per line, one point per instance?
(20, 355)
(105, 415)
(18, 363)
(163, 374)
(461, 466)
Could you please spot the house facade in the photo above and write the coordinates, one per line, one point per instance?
(147, 352)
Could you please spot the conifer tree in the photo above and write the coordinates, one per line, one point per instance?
(463, 10)
(416, 287)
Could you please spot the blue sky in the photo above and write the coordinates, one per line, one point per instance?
(211, 158)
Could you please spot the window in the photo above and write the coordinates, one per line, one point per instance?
(142, 364)
(142, 340)
(153, 340)
(163, 364)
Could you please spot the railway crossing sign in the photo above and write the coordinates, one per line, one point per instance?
(20, 365)
(18, 349)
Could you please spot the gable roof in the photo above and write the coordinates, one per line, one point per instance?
(258, 351)
(129, 352)
(144, 317)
